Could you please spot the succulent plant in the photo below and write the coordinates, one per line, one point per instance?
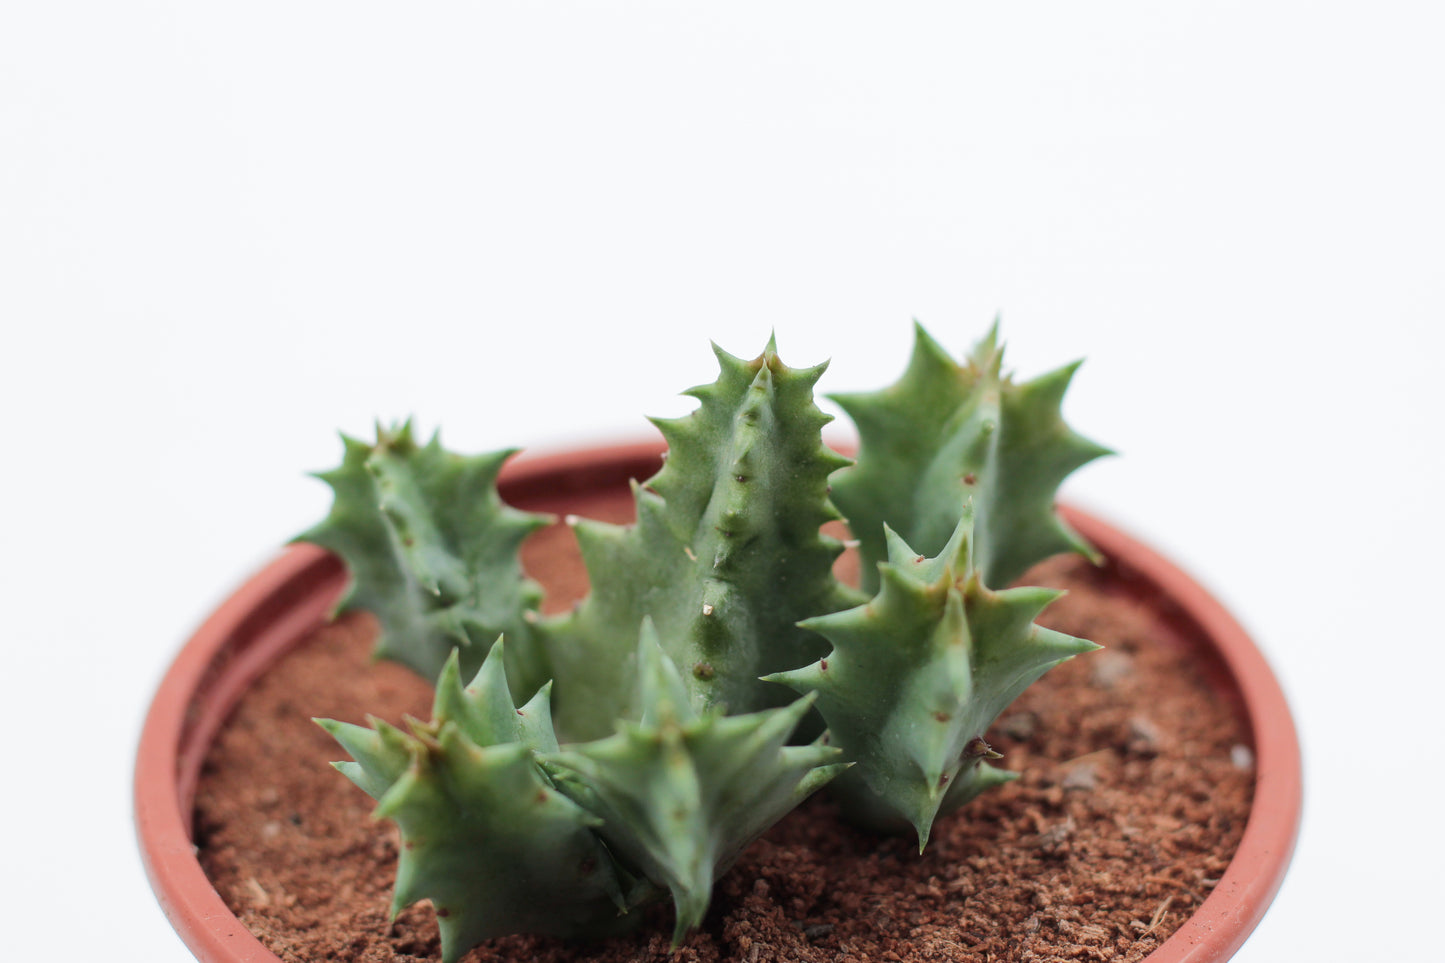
(718, 672)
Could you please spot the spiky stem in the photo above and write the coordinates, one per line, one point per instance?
(950, 434)
(917, 675)
(725, 558)
(432, 552)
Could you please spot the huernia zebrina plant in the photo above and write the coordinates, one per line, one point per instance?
(580, 766)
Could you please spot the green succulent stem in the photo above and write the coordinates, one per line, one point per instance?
(949, 434)
(917, 675)
(485, 833)
(432, 552)
(681, 793)
(726, 556)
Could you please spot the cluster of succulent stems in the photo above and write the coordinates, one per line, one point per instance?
(580, 766)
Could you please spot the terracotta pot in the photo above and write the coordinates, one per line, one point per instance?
(281, 604)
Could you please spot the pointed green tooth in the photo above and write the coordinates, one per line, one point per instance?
(535, 728)
(381, 754)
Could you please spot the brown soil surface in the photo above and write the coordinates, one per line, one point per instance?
(1135, 790)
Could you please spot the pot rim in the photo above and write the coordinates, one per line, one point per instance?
(299, 590)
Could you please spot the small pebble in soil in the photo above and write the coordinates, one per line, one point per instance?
(1109, 668)
(1144, 736)
(1081, 776)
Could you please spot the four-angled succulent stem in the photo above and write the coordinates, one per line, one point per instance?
(917, 675)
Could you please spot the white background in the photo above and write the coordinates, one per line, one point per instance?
(228, 230)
